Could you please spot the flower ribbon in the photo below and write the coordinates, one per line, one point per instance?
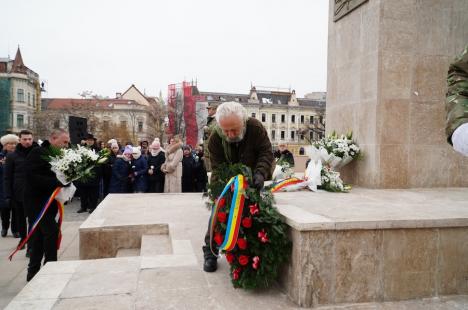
(235, 213)
(284, 183)
(39, 218)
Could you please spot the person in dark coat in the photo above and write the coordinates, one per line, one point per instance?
(188, 170)
(40, 184)
(237, 139)
(201, 176)
(283, 155)
(89, 189)
(15, 180)
(107, 167)
(156, 177)
(120, 172)
(140, 171)
(7, 211)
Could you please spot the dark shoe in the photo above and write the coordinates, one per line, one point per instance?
(91, 211)
(30, 275)
(210, 264)
(81, 211)
(4, 233)
(16, 235)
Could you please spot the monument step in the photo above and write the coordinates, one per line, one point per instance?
(152, 245)
(128, 252)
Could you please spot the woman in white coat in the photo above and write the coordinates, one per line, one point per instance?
(172, 167)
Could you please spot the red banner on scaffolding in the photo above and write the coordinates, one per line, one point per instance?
(190, 118)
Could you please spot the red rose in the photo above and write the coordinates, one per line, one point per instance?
(262, 235)
(218, 238)
(236, 273)
(247, 222)
(243, 260)
(254, 209)
(230, 258)
(222, 217)
(242, 243)
(256, 262)
(222, 202)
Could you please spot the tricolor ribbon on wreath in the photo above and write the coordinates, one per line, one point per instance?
(235, 214)
(60, 194)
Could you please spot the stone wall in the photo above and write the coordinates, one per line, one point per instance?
(387, 68)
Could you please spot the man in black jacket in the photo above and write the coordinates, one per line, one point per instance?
(40, 184)
(89, 189)
(15, 180)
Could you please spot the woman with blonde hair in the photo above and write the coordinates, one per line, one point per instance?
(172, 167)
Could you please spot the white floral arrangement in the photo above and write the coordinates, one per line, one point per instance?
(74, 164)
(336, 151)
(282, 171)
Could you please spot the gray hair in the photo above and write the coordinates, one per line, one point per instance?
(57, 133)
(231, 108)
(9, 138)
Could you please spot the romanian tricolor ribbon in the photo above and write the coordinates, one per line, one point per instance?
(284, 183)
(235, 213)
(39, 218)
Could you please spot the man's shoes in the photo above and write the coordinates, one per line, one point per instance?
(81, 211)
(4, 233)
(16, 235)
(30, 275)
(91, 211)
(210, 264)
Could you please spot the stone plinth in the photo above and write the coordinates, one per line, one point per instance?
(387, 70)
(376, 245)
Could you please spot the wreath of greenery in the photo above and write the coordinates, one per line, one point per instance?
(263, 245)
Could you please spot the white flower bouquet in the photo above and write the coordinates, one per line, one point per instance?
(74, 164)
(282, 171)
(336, 151)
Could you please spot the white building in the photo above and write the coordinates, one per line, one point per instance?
(20, 94)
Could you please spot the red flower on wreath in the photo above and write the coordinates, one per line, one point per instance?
(256, 262)
(242, 243)
(222, 202)
(222, 217)
(218, 238)
(247, 222)
(232, 187)
(262, 235)
(230, 258)
(243, 260)
(254, 209)
(236, 273)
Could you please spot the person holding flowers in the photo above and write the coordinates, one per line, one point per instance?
(237, 138)
(41, 182)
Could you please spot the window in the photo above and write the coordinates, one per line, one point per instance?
(253, 115)
(302, 136)
(263, 117)
(34, 100)
(56, 124)
(273, 135)
(20, 95)
(282, 134)
(123, 124)
(293, 135)
(105, 125)
(302, 119)
(29, 98)
(311, 119)
(321, 119)
(20, 120)
(283, 118)
(311, 135)
(293, 118)
(273, 118)
(140, 126)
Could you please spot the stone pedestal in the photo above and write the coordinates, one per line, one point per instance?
(387, 69)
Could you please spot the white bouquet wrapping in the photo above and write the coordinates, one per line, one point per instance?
(282, 171)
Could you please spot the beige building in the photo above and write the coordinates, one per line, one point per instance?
(20, 94)
(130, 116)
(294, 121)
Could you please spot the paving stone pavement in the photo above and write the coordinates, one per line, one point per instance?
(13, 274)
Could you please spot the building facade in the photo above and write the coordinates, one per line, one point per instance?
(287, 119)
(20, 95)
(130, 117)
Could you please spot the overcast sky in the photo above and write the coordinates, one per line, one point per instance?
(107, 45)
